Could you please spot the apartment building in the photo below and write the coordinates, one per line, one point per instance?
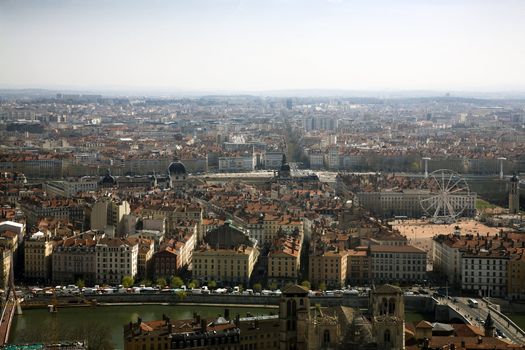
(237, 163)
(484, 265)
(35, 208)
(516, 274)
(484, 272)
(173, 212)
(144, 263)
(328, 267)
(404, 264)
(108, 214)
(358, 266)
(37, 257)
(69, 189)
(284, 260)
(73, 259)
(408, 203)
(224, 265)
(116, 258)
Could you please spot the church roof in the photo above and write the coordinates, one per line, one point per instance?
(388, 289)
(295, 289)
(424, 324)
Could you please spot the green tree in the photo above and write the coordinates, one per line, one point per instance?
(257, 287)
(146, 282)
(322, 286)
(176, 282)
(181, 294)
(306, 284)
(273, 286)
(127, 281)
(80, 283)
(194, 284)
(161, 282)
(212, 284)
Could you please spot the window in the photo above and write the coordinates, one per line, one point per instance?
(326, 337)
(386, 337)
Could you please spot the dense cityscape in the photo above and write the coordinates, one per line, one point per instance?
(262, 175)
(340, 212)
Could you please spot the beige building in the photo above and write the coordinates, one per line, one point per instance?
(408, 203)
(358, 267)
(284, 260)
(224, 265)
(74, 259)
(6, 258)
(37, 257)
(107, 215)
(116, 258)
(404, 264)
(329, 267)
(174, 213)
(516, 275)
(146, 249)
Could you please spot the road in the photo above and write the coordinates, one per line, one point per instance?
(475, 315)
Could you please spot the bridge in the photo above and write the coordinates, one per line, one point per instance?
(11, 305)
(459, 308)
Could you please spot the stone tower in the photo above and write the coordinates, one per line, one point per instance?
(514, 195)
(489, 326)
(388, 317)
(294, 315)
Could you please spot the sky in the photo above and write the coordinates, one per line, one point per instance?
(248, 45)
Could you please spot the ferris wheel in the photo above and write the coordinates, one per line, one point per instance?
(447, 192)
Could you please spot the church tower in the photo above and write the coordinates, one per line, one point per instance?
(294, 315)
(388, 317)
(514, 195)
(488, 326)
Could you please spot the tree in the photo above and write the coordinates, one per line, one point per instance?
(273, 286)
(257, 287)
(127, 281)
(146, 282)
(176, 282)
(212, 284)
(194, 284)
(80, 283)
(306, 284)
(181, 294)
(161, 282)
(322, 286)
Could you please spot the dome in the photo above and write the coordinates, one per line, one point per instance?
(108, 179)
(177, 168)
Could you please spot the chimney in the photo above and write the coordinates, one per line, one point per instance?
(203, 325)
(170, 328)
(227, 313)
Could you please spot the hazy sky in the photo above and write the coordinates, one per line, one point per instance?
(260, 45)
